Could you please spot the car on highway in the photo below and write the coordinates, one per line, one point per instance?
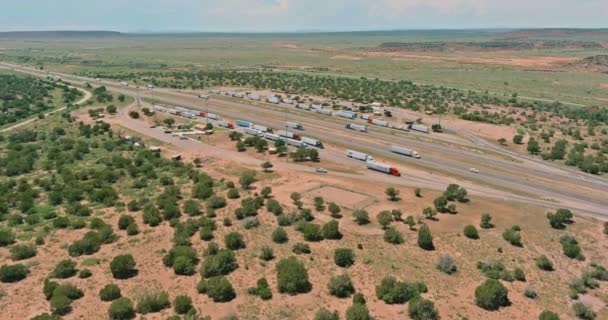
(321, 170)
(474, 170)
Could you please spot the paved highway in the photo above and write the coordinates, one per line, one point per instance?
(527, 180)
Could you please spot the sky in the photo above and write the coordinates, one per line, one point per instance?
(297, 15)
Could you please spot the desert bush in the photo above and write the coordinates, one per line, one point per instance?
(301, 248)
(543, 263)
(266, 253)
(132, 229)
(361, 217)
(331, 230)
(123, 266)
(183, 266)
(64, 269)
(121, 309)
(219, 264)
(13, 273)
(446, 264)
(530, 293)
(519, 274)
(7, 237)
(153, 302)
(85, 274)
(513, 236)
(358, 312)
(471, 232)
(491, 295)
(560, 218)
(344, 257)
(391, 235)
(182, 304)
(324, 314)
(110, 292)
(180, 251)
(422, 309)
(233, 193)
(234, 241)
(279, 235)
(261, 290)
(548, 315)
(583, 312)
(274, 207)
(61, 222)
(310, 231)
(571, 248)
(22, 252)
(341, 286)
(392, 291)
(219, 289)
(60, 304)
(292, 277)
(124, 221)
(486, 221)
(425, 239)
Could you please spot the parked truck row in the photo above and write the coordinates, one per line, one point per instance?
(291, 138)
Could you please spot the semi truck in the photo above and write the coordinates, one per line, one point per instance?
(326, 112)
(225, 124)
(288, 134)
(316, 106)
(295, 125)
(243, 123)
(359, 155)
(365, 116)
(419, 128)
(274, 100)
(188, 115)
(213, 116)
(203, 96)
(251, 131)
(295, 143)
(272, 137)
(261, 128)
(288, 101)
(385, 168)
(356, 127)
(347, 114)
(303, 106)
(215, 91)
(405, 152)
(253, 96)
(378, 122)
(312, 142)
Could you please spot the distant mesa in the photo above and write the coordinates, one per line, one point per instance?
(59, 34)
(597, 63)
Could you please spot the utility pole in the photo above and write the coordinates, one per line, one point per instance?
(206, 117)
(284, 140)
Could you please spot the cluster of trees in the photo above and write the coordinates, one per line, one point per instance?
(22, 97)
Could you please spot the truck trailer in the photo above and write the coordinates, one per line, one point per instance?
(288, 134)
(419, 128)
(213, 116)
(312, 142)
(295, 143)
(359, 155)
(381, 167)
(225, 124)
(356, 127)
(272, 137)
(274, 100)
(405, 152)
(252, 132)
(326, 112)
(378, 122)
(303, 106)
(347, 114)
(261, 128)
(243, 123)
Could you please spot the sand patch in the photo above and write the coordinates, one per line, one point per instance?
(501, 60)
(604, 85)
(345, 57)
(343, 197)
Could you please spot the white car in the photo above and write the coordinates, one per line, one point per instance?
(321, 170)
(474, 170)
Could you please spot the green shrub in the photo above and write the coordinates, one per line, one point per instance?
(471, 232)
(391, 235)
(571, 248)
(425, 239)
(22, 252)
(543, 263)
(121, 309)
(266, 253)
(344, 257)
(69, 291)
(46, 316)
(60, 304)
(560, 218)
(182, 304)
(548, 315)
(358, 312)
(183, 266)
(311, 231)
(361, 217)
(124, 221)
(123, 266)
(583, 312)
(153, 302)
(234, 241)
(530, 293)
(262, 289)
(85, 274)
(513, 236)
(422, 309)
(180, 251)
(65, 269)
(486, 221)
(192, 207)
(216, 202)
(223, 262)
(274, 207)
(519, 274)
(392, 291)
(233, 193)
(219, 289)
(109, 292)
(13, 273)
(324, 314)
(491, 295)
(279, 235)
(341, 286)
(331, 230)
(132, 229)
(359, 298)
(7, 237)
(292, 277)
(301, 248)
